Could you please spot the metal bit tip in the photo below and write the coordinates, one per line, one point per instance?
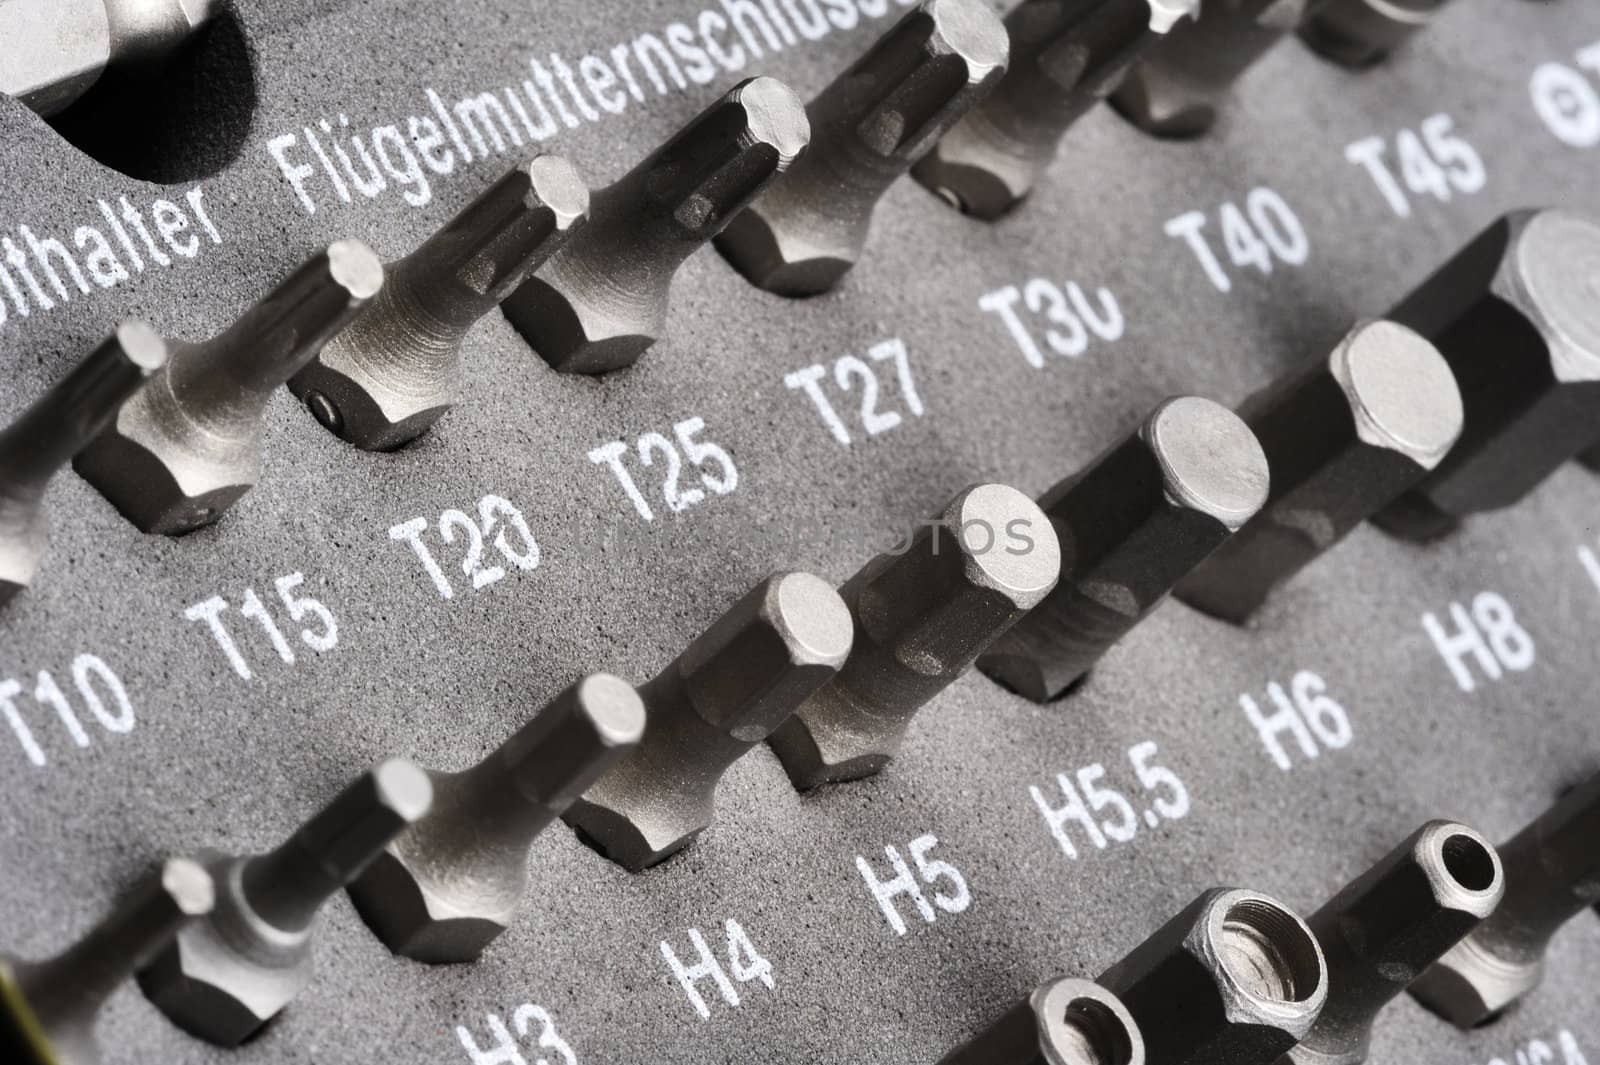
(1063, 1022)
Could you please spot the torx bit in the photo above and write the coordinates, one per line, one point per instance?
(726, 693)
(1388, 925)
(1180, 87)
(446, 887)
(868, 128)
(1344, 436)
(1131, 524)
(601, 302)
(1361, 33)
(223, 978)
(1064, 1022)
(385, 380)
(188, 446)
(48, 1008)
(1552, 873)
(922, 616)
(44, 438)
(1514, 315)
(1236, 978)
(1066, 56)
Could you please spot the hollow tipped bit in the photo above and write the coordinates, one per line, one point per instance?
(223, 978)
(602, 301)
(726, 693)
(188, 446)
(444, 888)
(1133, 523)
(396, 370)
(1064, 1022)
(1344, 436)
(48, 1008)
(922, 616)
(44, 438)
(868, 127)
(1360, 33)
(1066, 56)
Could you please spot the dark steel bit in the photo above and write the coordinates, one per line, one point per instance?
(1344, 437)
(869, 126)
(600, 303)
(1361, 33)
(1064, 1022)
(1066, 56)
(44, 438)
(922, 615)
(1134, 522)
(188, 446)
(446, 887)
(726, 693)
(396, 370)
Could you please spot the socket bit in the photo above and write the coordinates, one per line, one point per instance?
(444, 888)
(57, 49)
(1344, 437)
(922, 615)
(1235, 979)
(55, 427)
(223, 978)
(1515, 316)
(1066, 56)
(1391, 923)
(386, 379)
(48, 1008)
(1361, 33)
(726, 693)
(870, 125)
(1180, 87)
(188, 446)
(1132, 523)
(1064, 1022)
(1552, 871)
(600, 302)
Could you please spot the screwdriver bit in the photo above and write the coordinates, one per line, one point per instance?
(1179, 88)
(1389, 924)
(786, 638)
(1064, 1022)
(1552, 873)
(1066, 56)
(1514, 315)
(188, 446)
(1344, 436)
(1360, 33)
(444, 888)
(48, 1008)
(385, 380)
(46, 436)
(223, 978)
(1132, 523)
(922, 615)
(869, 126)
(599, 303)
(1235, 978)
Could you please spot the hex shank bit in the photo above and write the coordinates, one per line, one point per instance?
(1066, 56)
(223, 978)
(1360, 33)
(188, 446)
(1235, 978)
(385, 380)
(56, 426)
(1514, 314)
(1552, 872)
(1344, 436)
(1132, 523)
(921, 616)
(48, 1008)
(744, 675)
(446, 887)
(602, 301)
(868, 127)
(1388, 925)
(1064, 1022)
